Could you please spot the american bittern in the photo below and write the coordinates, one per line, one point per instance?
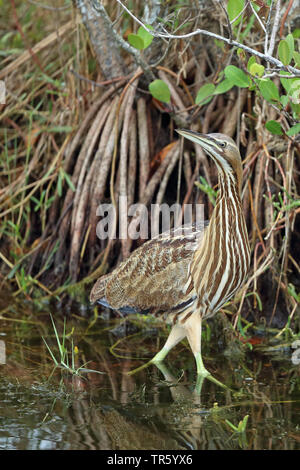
(186, 276)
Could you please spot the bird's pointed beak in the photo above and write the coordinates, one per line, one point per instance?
(206, 141)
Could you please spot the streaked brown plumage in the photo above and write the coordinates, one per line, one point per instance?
(189, 274)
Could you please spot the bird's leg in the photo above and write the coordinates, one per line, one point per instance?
(193, 331)
(176, 335)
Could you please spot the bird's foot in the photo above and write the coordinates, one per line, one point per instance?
(201, 370)
(160, 356)
(217, 382)
(157, 359)
(203, 373)
(138, 369)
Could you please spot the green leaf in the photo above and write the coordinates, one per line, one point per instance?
(69, 181)
(204, 186)
(160, 91)
(224, 86)
(249, 25)
(50, 352)
(136, 41)
(290, 40)
(284, 52)
(292, 291)
(59, 184)
(142, 39)
(205, 93)
(237, 76)
(268, 90)
(250, 62)
(296, 33)
(274, 127)
(10, 52)
(234, 8)
(284, 100)
(242, 424)
(145, 36)
(219, 44)
(231, 425)
(241, 54)
(83, 369)
(292, 87)
(295, 91)
(286, 82)
(296, 57)
(257, 69)
(294, 130)
(296, 110)
(60, 129)
(13, 271)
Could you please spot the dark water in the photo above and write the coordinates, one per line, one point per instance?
(46, 408)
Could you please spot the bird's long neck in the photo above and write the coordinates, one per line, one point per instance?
(229, 197)
(227, 225)
(222, 260)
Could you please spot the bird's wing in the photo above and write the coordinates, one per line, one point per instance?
(98, 290)
(154, 275)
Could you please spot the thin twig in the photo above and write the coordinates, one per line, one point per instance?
(275, 28)
(285, 17)
(227, 19)
(125, 45)
(99, 84)
(258, 18)
(47, 7)
(266, 57)
(241, 12)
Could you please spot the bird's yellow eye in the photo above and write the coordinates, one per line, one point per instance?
(223, 144)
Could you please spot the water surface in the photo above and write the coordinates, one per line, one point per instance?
(42, 407)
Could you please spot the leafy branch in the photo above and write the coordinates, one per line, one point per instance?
(266, 56)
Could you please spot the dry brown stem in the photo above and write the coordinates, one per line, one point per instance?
(124, 144)
(156, 177)
(144, 147)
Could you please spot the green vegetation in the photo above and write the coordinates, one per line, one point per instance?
(241, 428)
(78, 131)
(67, 359)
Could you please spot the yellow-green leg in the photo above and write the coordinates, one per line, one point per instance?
(176, 335)
(201, 370)
(193, 331)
